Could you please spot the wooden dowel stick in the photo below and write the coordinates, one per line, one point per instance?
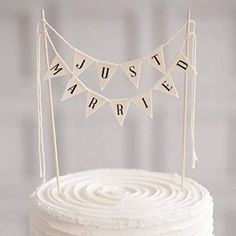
(51, 106)
(185, 104)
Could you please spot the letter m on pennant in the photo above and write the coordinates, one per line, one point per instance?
(56, 69)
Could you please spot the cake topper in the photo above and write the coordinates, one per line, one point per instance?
(105, 71)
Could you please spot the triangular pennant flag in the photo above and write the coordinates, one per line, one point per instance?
(182, 64)
(132, 71)
(157, 59)
(94, 102)
(144, 102)
(105, 72)
(166, 85)
(56, 69)
(73, 88)
(81, 62)
(120, 109)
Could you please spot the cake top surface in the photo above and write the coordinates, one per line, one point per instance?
(116, 197)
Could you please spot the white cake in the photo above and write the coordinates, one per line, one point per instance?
(121, 202)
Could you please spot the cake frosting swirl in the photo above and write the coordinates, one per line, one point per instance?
(120, 202)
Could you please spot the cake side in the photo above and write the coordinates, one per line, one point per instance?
(121, 202)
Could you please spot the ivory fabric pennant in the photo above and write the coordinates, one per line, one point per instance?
(73, 88)
(105, 72)
(81, 62)
(57, 68)
(94, 102)
(157, 59)
(132, 70)
(144, 102)
(166, 85)
(182, 64)
(120, 109)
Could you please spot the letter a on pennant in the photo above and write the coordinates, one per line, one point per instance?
(120, 109)
(132, 71)
(144, 102)
(56, 69)
(81, 62)
(182, 64)
(73, 88)
(94, 102)
(166, 85)
(157, 59)
(105, 72)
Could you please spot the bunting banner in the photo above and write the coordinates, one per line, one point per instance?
(106, 71)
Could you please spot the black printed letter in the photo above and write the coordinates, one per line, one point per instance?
(132, 70)
(93, 102)
(56, 69)
(72, 88)
(182, 64)
(166, 86)
(120, 109)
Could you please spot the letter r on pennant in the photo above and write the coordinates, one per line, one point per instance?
(93, 102)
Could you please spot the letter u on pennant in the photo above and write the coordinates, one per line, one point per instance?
(105, 72)
(56, 69)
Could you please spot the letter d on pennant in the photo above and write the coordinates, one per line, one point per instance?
(182, 64)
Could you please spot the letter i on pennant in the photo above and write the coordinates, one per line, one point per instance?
(56, 69)
(120, 109)
(144, 102)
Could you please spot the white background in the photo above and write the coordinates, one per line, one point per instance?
(117, 31)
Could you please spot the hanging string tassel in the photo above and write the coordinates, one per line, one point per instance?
(193, 98)
(41, 149)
